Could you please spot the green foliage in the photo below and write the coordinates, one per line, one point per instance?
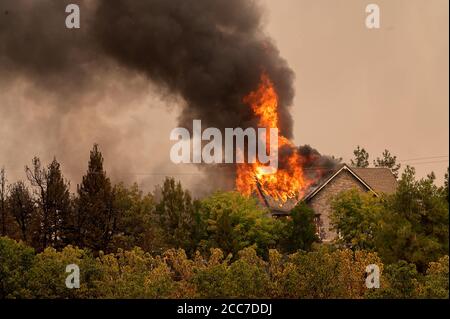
(244, 278)
(46, 278)
(410, 225)
(355, 217)
(437, 279)
(3, 196)
(415, 223)
(21, 207)
(8, 225)
(224, 246)
(388, 161)
(96, 216)
(234, 222)
(53, 204)
(444, 189)
(325, 273)
(133, 274)
(247, 276)
(300, 230)
(361, 158)
(179, 218)
(16, 260)
(328, 274)
(401, 280)
(210, 276)
(316, 274)
(136, 222)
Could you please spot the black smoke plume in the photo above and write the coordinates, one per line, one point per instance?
(317, 166)
(209, 53)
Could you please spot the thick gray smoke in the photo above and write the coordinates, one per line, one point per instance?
(209, 53)
(34, 43)
(316, 166)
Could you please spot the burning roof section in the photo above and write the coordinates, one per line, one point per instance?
(377, 180)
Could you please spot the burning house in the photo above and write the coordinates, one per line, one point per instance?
(303, 174)
(376, 180)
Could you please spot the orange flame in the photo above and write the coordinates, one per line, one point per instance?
(289, 181)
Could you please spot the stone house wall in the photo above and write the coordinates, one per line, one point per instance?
(321, 202)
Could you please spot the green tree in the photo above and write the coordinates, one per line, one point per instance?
(53, 199)
(179, 217)
(218, 277)
(444, 189)
(21, 206)
(209, 275)
(361, 158)
(47, 277)
(355, 216)
(96, 216)
(388, 161)
(16, 259)
(3, 196)
(134, 274)
(247, 277)
(400, 281)
(323, 273)
(414, 226)
(437, 280)
(137, 221)
(300, 229)
(410, 225)
(5, 217)
(235, 222)
(327, 273)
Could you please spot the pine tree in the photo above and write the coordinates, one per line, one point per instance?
(388, 161)
(95, 217)
(361, 157)
(300, 229)
(53, 199)
(3, 196)
(445, 188)
(21, 206)
(178, 216)
(59, 206)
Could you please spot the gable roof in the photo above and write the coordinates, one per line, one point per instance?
(380, 179)
(343, 167)
(274, 205)
(376, 180)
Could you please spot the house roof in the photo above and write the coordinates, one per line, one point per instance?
(380, 179)
(276, 206)
(376, 180)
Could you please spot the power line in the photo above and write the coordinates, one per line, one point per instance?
(412, 161)
(422, 158)
(430, 162)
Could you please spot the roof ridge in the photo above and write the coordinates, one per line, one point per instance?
(355, 167)
(344, 166)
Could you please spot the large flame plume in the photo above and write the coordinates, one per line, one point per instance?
(289, 181)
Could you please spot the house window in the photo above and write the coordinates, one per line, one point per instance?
(318, 224)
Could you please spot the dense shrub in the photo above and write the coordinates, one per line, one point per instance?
(324, 273)
(15, 261)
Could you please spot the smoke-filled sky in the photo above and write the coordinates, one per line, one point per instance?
(385, 88)
(137, 69)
